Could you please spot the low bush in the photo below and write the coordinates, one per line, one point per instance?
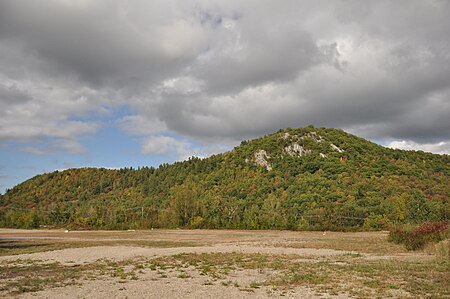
(415, 238)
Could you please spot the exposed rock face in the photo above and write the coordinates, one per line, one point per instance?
(335, 148)
(260, 159)
(297, 150)
(314, 136)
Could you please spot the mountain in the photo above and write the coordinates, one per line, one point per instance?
(307, 178)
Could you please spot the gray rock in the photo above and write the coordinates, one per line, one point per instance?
(260, 159)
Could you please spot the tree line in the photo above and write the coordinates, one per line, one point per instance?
(365, 186)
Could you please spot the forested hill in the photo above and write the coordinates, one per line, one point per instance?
(309, 178)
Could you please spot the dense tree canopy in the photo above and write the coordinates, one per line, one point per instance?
(318, 179)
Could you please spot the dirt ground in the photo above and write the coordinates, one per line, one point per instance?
(214, 263)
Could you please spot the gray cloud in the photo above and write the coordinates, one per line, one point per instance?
(103, 43)
(225, 71)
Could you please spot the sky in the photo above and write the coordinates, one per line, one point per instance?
(111, 83)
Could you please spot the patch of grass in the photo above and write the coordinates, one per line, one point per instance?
(152, 267)
(119, 272)
(255, 285)
(183, 275)
(226, 283)
(441, 250)
(33, 276)
(365, 242)
(358, 277)
(15, 279)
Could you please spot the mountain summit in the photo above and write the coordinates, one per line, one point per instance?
(307, 178)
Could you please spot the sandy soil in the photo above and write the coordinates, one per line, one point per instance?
(170, 288)
(117, 253)
(203, 241)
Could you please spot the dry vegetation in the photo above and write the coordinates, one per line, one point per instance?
(221, 264)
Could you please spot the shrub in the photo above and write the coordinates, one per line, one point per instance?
(196, 222)
(415, 238)
(375, 222)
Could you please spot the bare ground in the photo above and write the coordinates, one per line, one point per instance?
(214, 263)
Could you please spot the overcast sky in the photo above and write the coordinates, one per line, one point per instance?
(134, 83)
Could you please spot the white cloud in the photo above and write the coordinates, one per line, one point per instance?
(160, 145)
(37, 109)
(442, 147)
(157, 145)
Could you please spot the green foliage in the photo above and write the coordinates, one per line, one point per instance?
(362, 186)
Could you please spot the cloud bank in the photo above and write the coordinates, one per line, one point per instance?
(216, 73)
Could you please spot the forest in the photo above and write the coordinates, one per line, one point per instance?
(297, 179)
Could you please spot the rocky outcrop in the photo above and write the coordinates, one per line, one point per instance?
(260, 159)
(296, 150)
(335, 148)
(314, 136)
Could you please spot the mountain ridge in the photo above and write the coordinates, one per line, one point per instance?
(305, 178)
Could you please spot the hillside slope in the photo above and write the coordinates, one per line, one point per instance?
(308, 178)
